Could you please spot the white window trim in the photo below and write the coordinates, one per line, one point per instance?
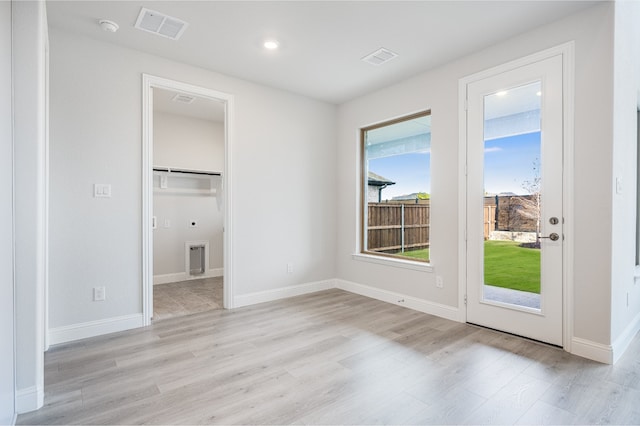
(397, 263)
(366, 256)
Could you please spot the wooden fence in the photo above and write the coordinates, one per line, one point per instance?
(489, 220)
(392, 227)
(515, 213)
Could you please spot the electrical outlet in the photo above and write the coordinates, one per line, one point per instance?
(289, 268)
(439, 282)
(99, 294)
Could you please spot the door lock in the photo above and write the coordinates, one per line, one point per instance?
(554, 220)
(553, 237)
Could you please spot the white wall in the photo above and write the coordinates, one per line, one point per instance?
(438, 90)
(194, 144)
(283, 202)
(7, 336)
(29, 80)
(625, 291)
(187, 142)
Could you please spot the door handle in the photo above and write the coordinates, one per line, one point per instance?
(553, 237)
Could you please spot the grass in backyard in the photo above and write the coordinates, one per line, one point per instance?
(422, 254)
(508, 265)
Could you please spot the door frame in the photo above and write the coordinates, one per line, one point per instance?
(566, 50)
(150, 82)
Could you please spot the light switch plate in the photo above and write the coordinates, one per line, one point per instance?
(102, 190)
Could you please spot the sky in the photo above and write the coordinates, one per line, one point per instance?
(411, 172)
(509, 162)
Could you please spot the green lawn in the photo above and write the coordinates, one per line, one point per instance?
(508, 265)
(422, 254)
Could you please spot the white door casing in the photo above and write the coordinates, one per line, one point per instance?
(546, 323)
(150, 82)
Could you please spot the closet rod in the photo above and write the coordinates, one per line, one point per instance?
(192, 172)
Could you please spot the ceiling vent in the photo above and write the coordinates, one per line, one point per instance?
(182, 98)
(380, 56)
(160, 24)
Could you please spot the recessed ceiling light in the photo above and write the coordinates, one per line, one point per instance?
(271, 44)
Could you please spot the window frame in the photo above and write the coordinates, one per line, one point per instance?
(363, 253)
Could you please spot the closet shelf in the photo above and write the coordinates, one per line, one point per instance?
(186, 171)
(186, 182)
(185, 191)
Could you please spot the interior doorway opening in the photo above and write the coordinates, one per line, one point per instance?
(188, 165)
(186, 204)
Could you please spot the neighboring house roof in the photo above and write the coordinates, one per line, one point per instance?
(405, 197)
(377, 180)
(412, 196)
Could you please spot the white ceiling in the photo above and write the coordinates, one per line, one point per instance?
(201, 108)
(321, 42)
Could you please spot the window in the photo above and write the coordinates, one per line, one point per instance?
(396, 187)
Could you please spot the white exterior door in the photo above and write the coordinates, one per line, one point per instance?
(514, 201)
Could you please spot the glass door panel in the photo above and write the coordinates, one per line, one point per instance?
(512, 197)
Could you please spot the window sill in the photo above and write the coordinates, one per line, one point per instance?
(396, 263)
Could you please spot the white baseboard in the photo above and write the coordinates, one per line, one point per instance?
(29, 399)
(183, 276)
(73, 332)
(281, 293)
(622, 342)
(592, 350)
(421, 305)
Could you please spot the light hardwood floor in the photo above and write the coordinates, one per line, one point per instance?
(329, 358)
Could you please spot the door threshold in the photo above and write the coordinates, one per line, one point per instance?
(550, 345)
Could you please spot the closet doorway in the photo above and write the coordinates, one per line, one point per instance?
(186, 204)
